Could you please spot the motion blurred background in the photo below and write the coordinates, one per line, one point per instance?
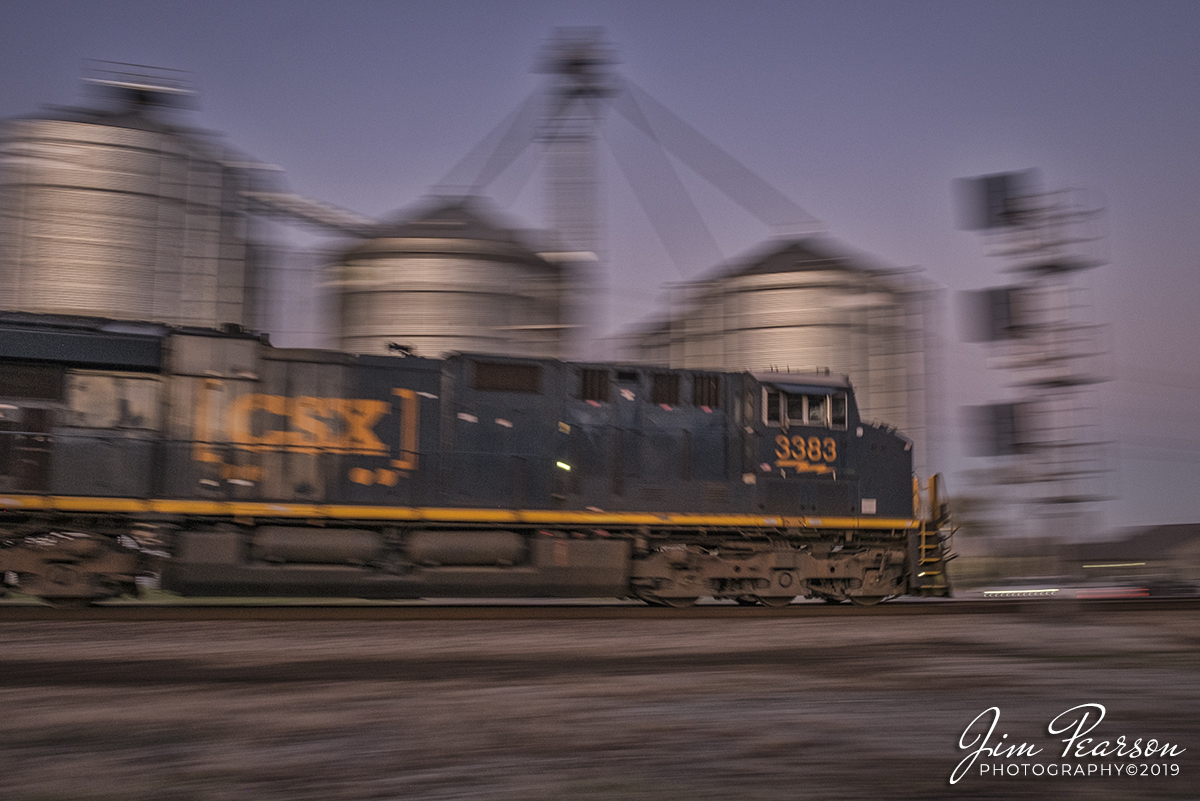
(746, 186)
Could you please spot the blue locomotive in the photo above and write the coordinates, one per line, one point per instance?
(229, 467)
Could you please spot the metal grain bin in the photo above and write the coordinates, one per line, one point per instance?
(448, 280)
(118, 213)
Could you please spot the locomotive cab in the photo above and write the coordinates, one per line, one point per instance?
(817, 457)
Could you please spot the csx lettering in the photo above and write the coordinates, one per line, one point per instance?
(332, 425)
(309, 425)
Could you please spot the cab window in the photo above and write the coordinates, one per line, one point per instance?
(795, 409)
(772, 401)
(839, 410)
(816, 410)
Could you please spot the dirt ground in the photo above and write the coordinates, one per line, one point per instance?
(599, 710)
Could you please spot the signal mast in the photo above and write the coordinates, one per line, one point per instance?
(1044, 442)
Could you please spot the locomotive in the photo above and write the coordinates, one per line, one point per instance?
(220, 465)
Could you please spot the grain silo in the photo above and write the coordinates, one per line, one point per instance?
(805, 305)
(116, 211)
(448, 279)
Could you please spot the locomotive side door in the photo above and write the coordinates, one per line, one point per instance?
(748, 420)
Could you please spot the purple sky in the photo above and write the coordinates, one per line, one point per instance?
(862, 112)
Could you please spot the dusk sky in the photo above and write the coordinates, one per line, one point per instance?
(863, 113)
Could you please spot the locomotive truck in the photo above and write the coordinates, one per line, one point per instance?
(220, 465)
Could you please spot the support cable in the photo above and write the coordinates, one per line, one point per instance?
(498, 150)
(668, 206)
(714, 165)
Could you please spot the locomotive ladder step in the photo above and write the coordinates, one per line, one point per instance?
(931, 551)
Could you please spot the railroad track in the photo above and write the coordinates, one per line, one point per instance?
(512, 610)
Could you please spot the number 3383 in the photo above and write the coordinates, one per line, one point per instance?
(812, 449)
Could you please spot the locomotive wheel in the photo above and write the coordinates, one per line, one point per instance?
(68, 603)
(678, 603)
(746, 600)
(775, 601)
(867, 600)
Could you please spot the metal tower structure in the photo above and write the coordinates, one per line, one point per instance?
(578, 64)
(580, 81)
(1045, 442)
